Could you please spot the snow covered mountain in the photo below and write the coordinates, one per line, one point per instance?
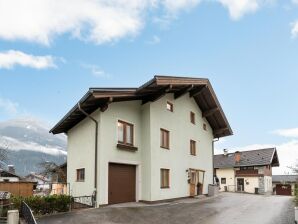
(29, 143)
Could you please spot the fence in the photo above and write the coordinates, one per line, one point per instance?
(82, 202)
(18, 188)
(27, 214)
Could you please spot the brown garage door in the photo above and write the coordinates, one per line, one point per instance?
(282, 189)
(122, 183)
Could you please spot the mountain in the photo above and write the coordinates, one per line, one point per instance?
(28, 143)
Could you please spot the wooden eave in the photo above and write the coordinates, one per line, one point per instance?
(200, 89)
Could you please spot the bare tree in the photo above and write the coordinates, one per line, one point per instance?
(54, 171)
(3, 155)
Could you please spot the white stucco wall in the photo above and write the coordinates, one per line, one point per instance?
(229, 174)
(149, 158)
(178, 158)
(268, 184)
(250, 183)
(11, 179)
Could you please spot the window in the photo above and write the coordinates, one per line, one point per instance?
(192, 147)
(164, 138)
(247, 168)
(125, 133)
(170, 106)
(223, 180)
(164, 178)
(81, 174)
(205, 127)
(192, 117)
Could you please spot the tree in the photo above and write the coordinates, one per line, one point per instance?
(3, 155)
(54, 171)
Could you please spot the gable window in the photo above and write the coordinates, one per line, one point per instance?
(192, 147)
(223, 180)
(205, 127)
(192, 117)
(170, 106)
(164, 138)
(81, 174)
(164, 178)
(125, 133)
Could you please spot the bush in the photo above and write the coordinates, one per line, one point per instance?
(296, 194)
(41, 205)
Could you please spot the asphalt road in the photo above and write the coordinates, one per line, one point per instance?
(227, 208)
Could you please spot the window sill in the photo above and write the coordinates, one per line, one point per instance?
(164, 147)
(80, 180)
(164, 187)
(127, 147)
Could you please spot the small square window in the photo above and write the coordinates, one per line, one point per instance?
(223, 180)
(81, 174)
(170, 106)
(192, 117)
(205, 127)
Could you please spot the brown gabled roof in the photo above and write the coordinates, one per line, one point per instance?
(259, 157)
(198, 88)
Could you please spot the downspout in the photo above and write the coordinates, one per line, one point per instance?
(214, 140)
(96, 147)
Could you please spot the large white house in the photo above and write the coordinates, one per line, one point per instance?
(147, 144)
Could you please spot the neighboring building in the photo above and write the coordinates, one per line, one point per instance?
(9, 175)
(284, 184)
(59, 180)
(149, 143)
(42, 182)
(246, 171)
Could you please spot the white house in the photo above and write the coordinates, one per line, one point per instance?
(246, 171)
(149, 144)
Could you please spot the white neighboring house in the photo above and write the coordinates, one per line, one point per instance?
(246, 171)
(150, 143)
(42, 182)
(9, 176)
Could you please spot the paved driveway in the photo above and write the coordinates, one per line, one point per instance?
(226, 208)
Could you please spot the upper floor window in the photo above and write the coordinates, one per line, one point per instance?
(164, 178)
(170, 106)
(81, 174)
(205, 127)
(192, 147)
(164, 138)
(192, 117)
(125, 133)
(247, 168)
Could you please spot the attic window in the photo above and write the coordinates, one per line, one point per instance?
(170, 106)
(205, 127)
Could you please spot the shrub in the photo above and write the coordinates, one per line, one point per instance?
(41, 205)
(296, 194)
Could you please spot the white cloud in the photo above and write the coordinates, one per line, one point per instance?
(238, 8)
(155, 40)
(17, 145)
(294, 30)
(10, 59)
(96, 71)
(173, 6)
(291, 132)
(8, 106)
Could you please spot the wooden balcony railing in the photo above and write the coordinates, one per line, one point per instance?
(247, 172)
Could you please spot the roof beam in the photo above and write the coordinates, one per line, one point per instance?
(157, 95)
(220, 130)
(183, 91)
(105, 106)
(210, 112)
(196, 92)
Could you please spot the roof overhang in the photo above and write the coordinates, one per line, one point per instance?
(198, 88)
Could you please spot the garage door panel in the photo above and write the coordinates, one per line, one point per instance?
(122, 183)
(283, 189)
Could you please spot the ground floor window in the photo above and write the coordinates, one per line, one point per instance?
(164, 178)
(81, 174)
(223, 180)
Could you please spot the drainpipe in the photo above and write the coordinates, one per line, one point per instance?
(96, 147)
(214, 140)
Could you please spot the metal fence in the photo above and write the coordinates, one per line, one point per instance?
(82, 202)
(27, 214)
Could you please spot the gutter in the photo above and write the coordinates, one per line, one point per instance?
(95, 153)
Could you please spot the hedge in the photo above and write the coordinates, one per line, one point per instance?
(42, 205)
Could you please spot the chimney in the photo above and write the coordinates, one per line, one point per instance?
(237, 156)
(225, 152)
(11, 169)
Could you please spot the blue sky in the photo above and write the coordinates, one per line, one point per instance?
(247, 48)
